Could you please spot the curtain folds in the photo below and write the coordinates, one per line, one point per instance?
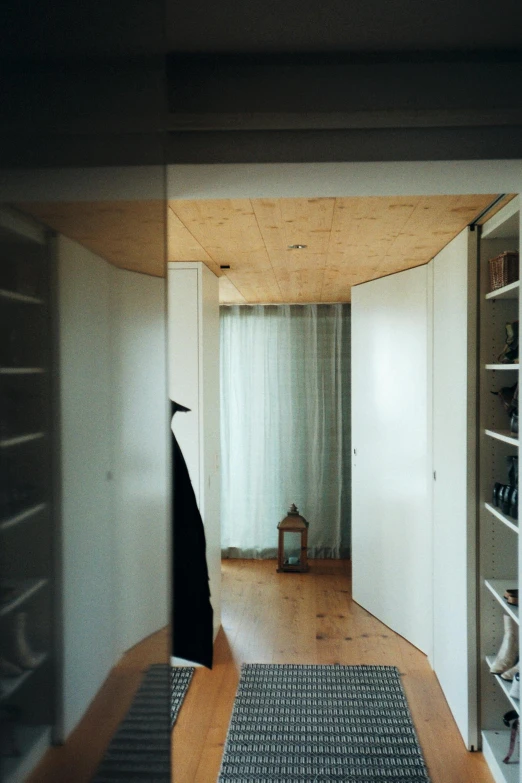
(285, 426)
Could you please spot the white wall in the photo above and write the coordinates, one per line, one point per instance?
(454, 490)
(391, 520)
(116, 486)
(193, 316)
(88, 541)
(141, 454)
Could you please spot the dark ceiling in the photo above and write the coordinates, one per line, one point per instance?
(128, 81)
(136, 27)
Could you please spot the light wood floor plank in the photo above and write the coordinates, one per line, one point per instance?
(308, 618)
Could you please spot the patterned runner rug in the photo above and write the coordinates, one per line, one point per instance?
(140, 749)
(313, 724)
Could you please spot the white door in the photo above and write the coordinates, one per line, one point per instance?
(454, 446)
(391, 518)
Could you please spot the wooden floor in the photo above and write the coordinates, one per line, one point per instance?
(268, 618)
(307, 618)
(78, 759)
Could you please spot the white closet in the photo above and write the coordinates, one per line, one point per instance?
(193, 370)
(498, 531)
(454, 656)
(468, 548)
(391, 530)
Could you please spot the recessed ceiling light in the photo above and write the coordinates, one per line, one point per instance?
(297, 247)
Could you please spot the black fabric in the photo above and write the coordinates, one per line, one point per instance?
(192, 620)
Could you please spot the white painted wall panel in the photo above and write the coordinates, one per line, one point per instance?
(141, 447)
(454, 525)
(391, 523)
(184, 366)
(193, 330)
(88, 545)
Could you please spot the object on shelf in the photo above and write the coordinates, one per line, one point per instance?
(511, 596)
(16, 646)
(513, 423)
(513, 470)
(508, 396)
(503, 269)
(9, 746)
(515, 688)
(9, 669)
(507, 655)
(514, 504)
(509, 354)
(512, 721)
(505, 498)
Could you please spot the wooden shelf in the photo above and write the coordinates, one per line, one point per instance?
(25, 588)
(511, 523)
(498, 587)
(9, 685)
(16, 297)
(504, 435)
(22, 516)
(495, 745)
(502, 367)
(504, 685)
(34, 741)
(21, 370)
(510, 291)
(7, 442)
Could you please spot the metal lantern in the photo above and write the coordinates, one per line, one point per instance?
(293, 523)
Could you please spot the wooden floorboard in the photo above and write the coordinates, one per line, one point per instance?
(77, 760)
(268, 618)
(307, 618)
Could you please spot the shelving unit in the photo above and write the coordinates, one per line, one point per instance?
(498, 534)
(27, 524)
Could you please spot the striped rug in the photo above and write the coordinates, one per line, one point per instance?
(319, 723)
(140, 749)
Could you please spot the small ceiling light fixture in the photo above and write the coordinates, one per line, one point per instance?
(225, 266)
(297, 247)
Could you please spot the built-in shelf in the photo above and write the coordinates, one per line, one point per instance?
(16, 519)
(504, 685)
(508, 521)
(21, 370)
(7, 442)
(16, 297)
(9, 685)
(504, 435)
(510, 291)
(498, 587)
(34, 741)
(23, 589)
(495, 745)
(501, 367)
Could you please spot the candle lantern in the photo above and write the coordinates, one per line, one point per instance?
(292, 550)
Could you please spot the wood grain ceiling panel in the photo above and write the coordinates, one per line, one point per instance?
(181, 244)
(433, 223)
(257, 288)
(128, 234)
(228, 292)
(349, 240)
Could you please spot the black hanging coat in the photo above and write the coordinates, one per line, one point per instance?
(192, 615)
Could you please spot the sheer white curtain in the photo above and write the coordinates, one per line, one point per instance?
(285, 426)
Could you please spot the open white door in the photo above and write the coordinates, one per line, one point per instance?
(391, 517)
(454, 485)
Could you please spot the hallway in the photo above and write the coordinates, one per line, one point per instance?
(307, 618)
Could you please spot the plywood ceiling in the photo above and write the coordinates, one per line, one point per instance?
(128, 234)
(348, 240)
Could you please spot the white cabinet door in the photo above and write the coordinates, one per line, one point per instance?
(193, 370)
(391, 518)
(454, 485)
